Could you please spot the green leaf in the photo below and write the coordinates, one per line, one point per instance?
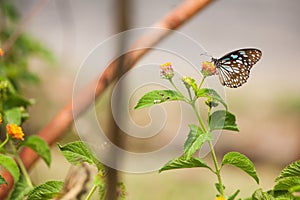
(157, 97)
(232, 197)
(292, 169)
(284, 195)
(211, 93)
(260, 195)
(21, 190)
(17, 101)
(39, 146)
(2, 181)
(195, 140)
(222, 120)
(287, 183)
(48, 190)
(13, 116)
(241, 161)
(218, 187)
(78, 152)
(10, 165)
(184, 162)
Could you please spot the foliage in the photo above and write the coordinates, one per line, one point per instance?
(218, 118)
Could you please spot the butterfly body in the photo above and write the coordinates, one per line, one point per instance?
(234, 68)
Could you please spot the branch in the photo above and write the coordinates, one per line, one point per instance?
(62, 121)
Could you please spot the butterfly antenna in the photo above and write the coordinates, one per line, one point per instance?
(205, 54)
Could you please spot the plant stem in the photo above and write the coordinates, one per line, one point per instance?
(24, 171)
(91, 192)
(21, 165)
(202, 81)
(213, 154)
(5, 141)
(198, 117)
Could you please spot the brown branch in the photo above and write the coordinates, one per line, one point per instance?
(35, 10)
(62, 121)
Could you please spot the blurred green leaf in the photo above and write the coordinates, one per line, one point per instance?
(222, 120)
(10, 165)
(78, 152)
(184, 162)
(13, 116)
(17, 101)
(45, 191)
(211, 93)
(241, 161)
(196, 138)
(39, 146)
(157, 97)
(20, 190)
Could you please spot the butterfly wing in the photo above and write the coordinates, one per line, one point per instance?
(234, 67)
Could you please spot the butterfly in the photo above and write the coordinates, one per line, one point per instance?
(234, 68)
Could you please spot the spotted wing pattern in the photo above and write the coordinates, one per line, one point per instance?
(234, 67)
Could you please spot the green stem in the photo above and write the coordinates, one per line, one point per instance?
(5, 141)
(177, 90)
(202, 81)
(21, 165)
(213, 154)
(91, 192)
(198, 117)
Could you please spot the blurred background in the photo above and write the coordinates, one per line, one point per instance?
(267, 107)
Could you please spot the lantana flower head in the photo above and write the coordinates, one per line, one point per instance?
(15, 131)
(167, 71)
(208, 68)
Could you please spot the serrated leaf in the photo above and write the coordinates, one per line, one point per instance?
(2, 181)
(283, 195)
(157, 97)
(21, 189)
(222, 120)
(39, 146)
(287, 183)
(78, 152)
(211, 93)
(241, 161)
(260, 195)
(292, 169)
(13, 116)
(48, 190)
(17, 101)
(184, 162)
(196, 138)
(10, 165)
(232, 197)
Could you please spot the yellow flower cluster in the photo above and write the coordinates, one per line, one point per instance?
(15, 131)
(220, 198)
(1, 52)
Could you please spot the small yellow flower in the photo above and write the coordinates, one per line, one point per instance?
(1, 52)
(208, 68)
(15, 131)
(167, 71)
(220, 198)
(0, 120)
